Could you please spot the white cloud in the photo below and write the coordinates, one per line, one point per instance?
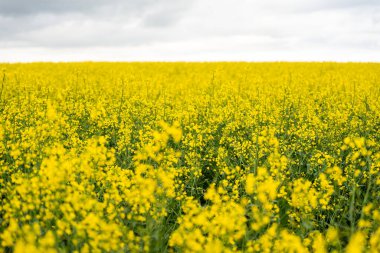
(248, 30)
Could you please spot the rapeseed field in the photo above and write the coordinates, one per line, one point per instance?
(190, 157)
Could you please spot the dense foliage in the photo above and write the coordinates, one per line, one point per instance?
(190, 157)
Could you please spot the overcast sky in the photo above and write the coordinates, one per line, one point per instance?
(189, 30)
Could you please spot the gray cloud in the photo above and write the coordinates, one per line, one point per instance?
(70, 23)
(32, 7)
(22, 7)
(166, 27)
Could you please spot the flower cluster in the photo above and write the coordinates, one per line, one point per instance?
(190, 157)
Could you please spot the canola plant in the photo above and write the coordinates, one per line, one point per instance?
(190, 157)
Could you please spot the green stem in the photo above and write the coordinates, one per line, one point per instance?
(351, 211)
